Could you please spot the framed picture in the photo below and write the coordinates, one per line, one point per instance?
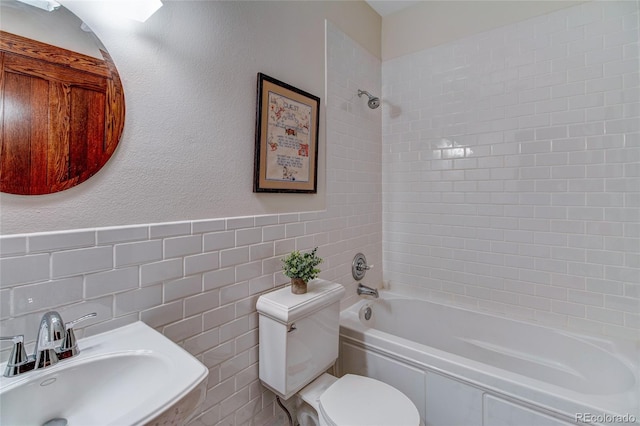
(286, 153)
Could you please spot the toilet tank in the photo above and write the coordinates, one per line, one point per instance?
(298, 335)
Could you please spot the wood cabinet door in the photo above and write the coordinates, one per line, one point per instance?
(61, 116)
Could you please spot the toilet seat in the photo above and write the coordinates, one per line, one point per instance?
(361, 401)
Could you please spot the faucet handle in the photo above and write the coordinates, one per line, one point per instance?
(69, 346)
(359, 266)
(71, 324)
(18, 359)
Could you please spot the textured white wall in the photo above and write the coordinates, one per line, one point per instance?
(189, 75)
(510, 170)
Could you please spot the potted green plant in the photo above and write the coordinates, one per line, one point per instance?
(301, 267)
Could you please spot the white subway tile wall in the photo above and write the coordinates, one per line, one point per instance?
(197, 281)
(511, 165)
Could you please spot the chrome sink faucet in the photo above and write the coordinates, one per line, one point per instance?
(50, 333)
(367, 291)
(56, 340)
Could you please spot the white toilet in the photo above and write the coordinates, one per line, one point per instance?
(299, 342)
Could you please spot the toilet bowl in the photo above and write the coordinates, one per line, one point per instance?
(298, 336)
(354, 401)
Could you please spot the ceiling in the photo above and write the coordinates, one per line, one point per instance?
(387, 7)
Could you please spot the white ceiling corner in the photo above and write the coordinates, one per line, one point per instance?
(387, 7)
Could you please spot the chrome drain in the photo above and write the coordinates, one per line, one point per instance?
(367, 314)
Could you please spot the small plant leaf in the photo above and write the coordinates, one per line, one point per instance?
(302, 265)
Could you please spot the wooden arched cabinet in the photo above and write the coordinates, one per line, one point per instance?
(61, 115)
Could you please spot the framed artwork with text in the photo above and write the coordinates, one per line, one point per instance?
(286, 151)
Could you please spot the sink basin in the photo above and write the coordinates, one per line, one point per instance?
(127, 376)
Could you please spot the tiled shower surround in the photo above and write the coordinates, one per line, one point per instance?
(198, 281)
(511, 170)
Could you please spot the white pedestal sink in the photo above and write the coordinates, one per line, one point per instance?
(127, 376)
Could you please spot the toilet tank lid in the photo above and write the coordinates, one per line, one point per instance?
(285, 307)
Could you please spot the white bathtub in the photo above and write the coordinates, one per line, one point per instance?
(467, 368)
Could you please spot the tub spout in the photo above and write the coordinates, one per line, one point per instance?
(363, 290)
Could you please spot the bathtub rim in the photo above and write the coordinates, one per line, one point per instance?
(555, 400)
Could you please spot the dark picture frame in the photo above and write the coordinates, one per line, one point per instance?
(286, 146)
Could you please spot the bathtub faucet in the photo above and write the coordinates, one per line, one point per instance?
(367, 291)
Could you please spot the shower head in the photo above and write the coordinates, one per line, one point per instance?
(374, 102)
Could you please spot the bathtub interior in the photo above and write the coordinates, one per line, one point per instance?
(585, 369)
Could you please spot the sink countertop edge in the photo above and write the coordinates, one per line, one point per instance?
(136, 337)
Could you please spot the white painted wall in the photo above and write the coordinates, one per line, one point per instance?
(431, 23)
(189, 75)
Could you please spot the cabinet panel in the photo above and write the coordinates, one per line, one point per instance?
(450, 402)
(498, 412)
(61, 115)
